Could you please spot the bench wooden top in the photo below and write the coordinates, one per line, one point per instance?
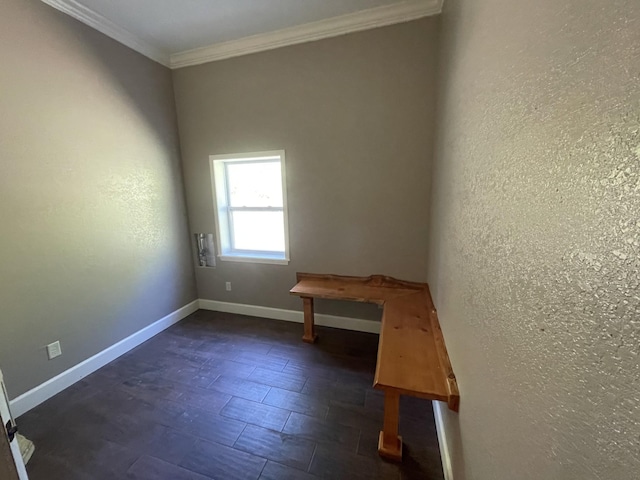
(374, 289)
(412, 357)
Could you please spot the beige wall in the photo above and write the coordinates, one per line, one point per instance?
(94, 243)
(534, 259)
(354, 114)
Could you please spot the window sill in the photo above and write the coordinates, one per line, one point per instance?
(249, 259)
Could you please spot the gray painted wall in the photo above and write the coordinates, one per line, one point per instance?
(355, 116)
(94, 242)
(535, 236)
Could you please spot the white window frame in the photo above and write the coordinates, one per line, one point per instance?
(223, 210)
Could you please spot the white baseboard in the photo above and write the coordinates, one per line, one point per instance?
(346, 323)
(442, 441)
(51, 387)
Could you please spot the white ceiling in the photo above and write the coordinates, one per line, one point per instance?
(165, 30)
(176, 26)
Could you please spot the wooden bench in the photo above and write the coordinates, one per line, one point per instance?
(412, 357)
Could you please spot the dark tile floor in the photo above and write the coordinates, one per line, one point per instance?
(221, 396)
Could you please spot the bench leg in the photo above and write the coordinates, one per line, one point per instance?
(309, 323)
(389, 443)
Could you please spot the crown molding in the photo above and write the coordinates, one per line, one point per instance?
(106, 26)
(331, 27)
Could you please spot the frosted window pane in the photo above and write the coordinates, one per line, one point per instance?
(263, 231)
(254, 184)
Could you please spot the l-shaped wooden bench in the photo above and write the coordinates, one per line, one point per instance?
(412, 357)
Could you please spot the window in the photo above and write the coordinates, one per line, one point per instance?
(251, 207)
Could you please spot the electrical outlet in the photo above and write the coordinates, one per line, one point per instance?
(228, 286)
(54, 350)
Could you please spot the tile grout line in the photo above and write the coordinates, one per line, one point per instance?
(313, 456)
(261, 402)
(285, 422)
(263, 467)
(238, 438)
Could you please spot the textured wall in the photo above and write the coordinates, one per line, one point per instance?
(93, 234)
(534, 259)
(354, 114)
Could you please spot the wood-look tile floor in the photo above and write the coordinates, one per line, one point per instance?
(224, 397)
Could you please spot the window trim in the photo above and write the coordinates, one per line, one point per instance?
(222, 210)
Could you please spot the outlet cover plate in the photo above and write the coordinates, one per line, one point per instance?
(54, 350)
